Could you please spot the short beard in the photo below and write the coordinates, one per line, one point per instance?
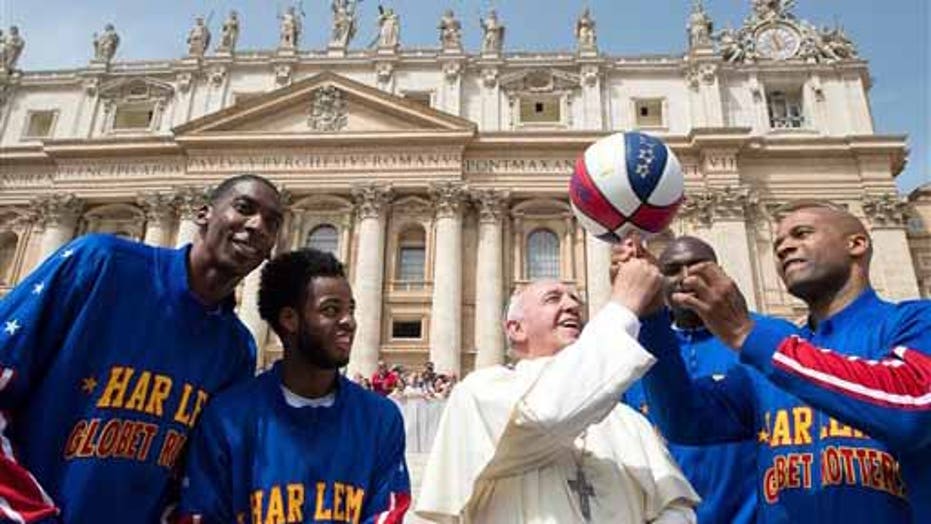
(310, 348)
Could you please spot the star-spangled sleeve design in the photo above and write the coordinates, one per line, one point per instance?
(35, 318)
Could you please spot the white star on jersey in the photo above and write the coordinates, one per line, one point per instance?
(67, 253)
(38, 288)
(11, 327)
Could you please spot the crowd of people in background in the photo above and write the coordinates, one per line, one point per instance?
(398, 382)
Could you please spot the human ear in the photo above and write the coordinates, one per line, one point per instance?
(203, 215)
(287, 319)
(858, 245)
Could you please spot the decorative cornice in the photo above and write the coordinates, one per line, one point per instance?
(371, 199)
(492, 204)
(886, 210)
(447, 198)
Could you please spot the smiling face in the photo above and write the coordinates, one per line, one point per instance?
(239, 229)
(549, 319)
(327, 323)
(817, 250)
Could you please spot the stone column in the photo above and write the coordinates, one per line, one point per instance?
(446, 315)
(892, 270)
(597, 268)
(159, 211)
(189, 201)
(489, 278)
(249, 310)
(371, 203)
(58, 217)
(719, 217)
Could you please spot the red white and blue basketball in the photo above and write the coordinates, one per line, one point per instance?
(626, 182)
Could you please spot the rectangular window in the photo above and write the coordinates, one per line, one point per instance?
(785, 109)
(540, 110)
(649, 112)
(39, 124)
(408, 329)
(419, 97)
(411, 263)
(133, 116)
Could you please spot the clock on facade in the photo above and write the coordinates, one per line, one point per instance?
(777, 42)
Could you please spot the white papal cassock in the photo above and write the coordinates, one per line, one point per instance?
(511, 440)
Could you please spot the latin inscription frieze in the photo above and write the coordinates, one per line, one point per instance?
(309, 162)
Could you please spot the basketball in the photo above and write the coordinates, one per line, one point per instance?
(626, 182)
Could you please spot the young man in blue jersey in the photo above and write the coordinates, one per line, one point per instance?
(723, 475)
(110, 351)
(841, 407)
(300, 443)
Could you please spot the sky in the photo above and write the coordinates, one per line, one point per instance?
(893, 35)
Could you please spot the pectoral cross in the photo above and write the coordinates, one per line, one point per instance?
(584, 490)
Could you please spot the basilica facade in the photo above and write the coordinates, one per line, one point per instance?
(440, 175)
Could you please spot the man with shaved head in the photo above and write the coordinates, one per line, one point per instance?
(723, 474)
(840, 407)
(546, 439)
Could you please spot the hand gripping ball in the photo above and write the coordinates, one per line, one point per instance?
(626, 182)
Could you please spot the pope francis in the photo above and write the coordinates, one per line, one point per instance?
(546, 441)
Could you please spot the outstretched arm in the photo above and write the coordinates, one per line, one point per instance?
(693, 411)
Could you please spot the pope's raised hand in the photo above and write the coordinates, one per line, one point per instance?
(637, 285)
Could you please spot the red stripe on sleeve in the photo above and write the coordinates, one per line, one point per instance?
(901, 380)
(395, 514)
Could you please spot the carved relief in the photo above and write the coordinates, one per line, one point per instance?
(384, 71)
(371, 199)
(887, 209)
(216, 75)
(698, 73)
(184, 81)
(452, 70)
(328, 110)
(283, 74)
(490, 77)
(590, 74)
(447, 197)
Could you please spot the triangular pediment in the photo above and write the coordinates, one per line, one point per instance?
(325, 104)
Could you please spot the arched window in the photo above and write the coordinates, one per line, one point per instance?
(542, 255)
(325, 238)
(411, 255)
(8, 241)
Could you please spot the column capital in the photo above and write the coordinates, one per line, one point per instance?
(712, 204)
(189, 199)
(492, 204)
(447, 197)
(56, 208)
(158, 207)
(371, 199)
(885, 210)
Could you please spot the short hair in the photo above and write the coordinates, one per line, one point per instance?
(225, 186)
(285, 279)
(514, 310)
(807, 203)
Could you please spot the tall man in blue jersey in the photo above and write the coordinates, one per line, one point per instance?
(842, 412)
(109, 352)
(722, 474)
(300, 443)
